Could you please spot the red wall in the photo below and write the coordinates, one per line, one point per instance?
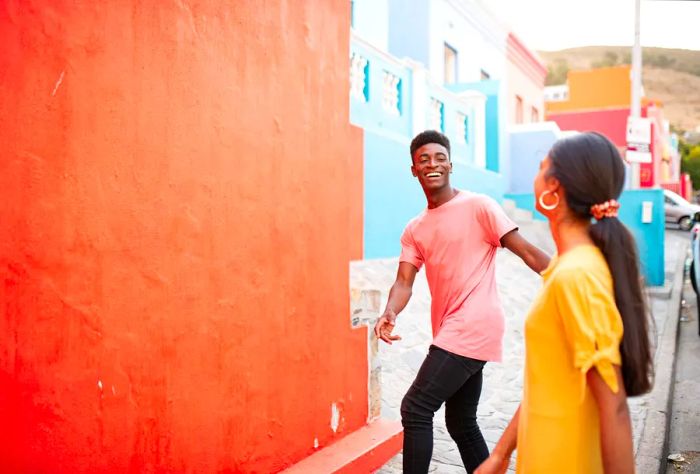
(650, 173)
(613, 123)
(610, 122)
(687, 187)
(181, 195)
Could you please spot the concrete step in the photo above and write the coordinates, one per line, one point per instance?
(515, 213)
(521, 215)
(364, 450)
(508, 205)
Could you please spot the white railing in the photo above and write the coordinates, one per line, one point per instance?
(358, 77)
(435, 114)
(391, 94)
(461, 128)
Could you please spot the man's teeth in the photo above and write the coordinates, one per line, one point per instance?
(433, 175)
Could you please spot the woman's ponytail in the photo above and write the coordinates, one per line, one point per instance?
(590, 169)
(618, 246)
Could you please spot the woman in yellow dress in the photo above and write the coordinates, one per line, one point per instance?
(586, 341)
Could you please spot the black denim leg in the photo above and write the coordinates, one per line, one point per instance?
(441, 376)
(460, 418)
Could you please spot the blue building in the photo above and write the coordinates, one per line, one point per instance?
(406, 79)
(392, 100)
(449, 65)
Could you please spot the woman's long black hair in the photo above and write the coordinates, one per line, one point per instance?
(590, 169)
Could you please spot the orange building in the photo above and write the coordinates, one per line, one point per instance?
(182, 195)
(595, 89)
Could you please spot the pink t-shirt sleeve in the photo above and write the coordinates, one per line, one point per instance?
(494, 221)
(409, 251)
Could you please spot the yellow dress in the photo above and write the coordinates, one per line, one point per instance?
(573, 325)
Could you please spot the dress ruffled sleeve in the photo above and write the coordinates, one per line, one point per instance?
(592, 324)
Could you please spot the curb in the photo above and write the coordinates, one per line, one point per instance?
(364, 450)
(653, 444)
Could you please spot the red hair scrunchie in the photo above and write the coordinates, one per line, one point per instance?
(605, 209)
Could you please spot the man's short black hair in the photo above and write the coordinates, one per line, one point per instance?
(430, 136)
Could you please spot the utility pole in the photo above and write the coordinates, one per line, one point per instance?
(636, 109)
(634, 122)
(636, 106)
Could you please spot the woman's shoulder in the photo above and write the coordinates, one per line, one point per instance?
(582, 266)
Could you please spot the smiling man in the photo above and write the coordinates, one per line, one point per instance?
(456, 238)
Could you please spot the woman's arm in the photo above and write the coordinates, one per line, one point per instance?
(497, 463)
(615, 425)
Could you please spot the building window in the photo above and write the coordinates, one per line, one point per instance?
(450, 64)
(518, 109)
(557, 96)
(485, 76)
(535, 115)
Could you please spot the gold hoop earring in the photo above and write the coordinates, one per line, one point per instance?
(548, 207)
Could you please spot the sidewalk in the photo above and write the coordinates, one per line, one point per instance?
(684, 436)
(503, 381)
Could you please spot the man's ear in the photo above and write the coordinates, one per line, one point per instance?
(413, 171)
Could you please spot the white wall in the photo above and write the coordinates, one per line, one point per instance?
(480, 41)
(532, 93)
(556, 93)
(371, 22)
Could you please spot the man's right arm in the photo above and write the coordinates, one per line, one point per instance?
(399, 295)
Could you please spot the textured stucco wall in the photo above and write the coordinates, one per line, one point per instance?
(181, 196)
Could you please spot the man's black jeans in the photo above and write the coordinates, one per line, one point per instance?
(456, 380)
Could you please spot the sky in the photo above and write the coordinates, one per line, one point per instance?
(550, 25)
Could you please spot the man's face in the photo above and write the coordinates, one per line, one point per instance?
(432, 167)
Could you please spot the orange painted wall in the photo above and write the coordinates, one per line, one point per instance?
(181, 196)
(595, 89)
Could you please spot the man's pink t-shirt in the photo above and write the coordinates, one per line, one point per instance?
(457, 243)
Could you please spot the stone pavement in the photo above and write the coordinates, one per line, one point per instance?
(502, 381)
(684, 436)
